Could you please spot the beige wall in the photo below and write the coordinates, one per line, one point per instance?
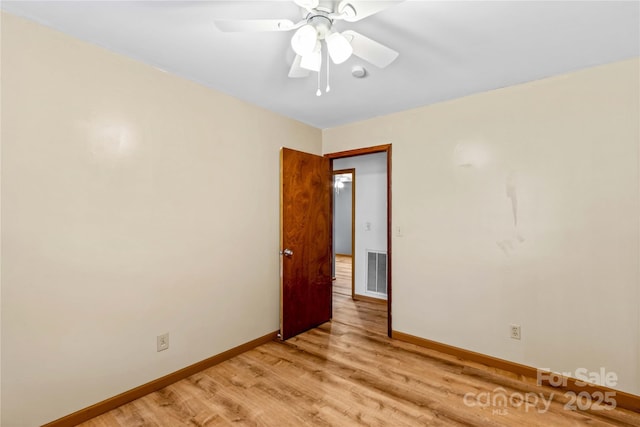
(566, 150)
(0, 224)
(134, 203)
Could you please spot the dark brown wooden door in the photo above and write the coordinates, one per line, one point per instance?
(305, 240)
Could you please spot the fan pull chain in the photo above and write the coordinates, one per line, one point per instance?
(328, 87)
(318, 92)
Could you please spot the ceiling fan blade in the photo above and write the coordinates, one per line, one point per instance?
(307, 4)
(296, 71)
(370, 50)
(254, 25)
(363, 8)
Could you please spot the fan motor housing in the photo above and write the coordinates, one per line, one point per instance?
(321, 22)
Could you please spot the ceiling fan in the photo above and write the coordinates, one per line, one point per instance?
(315, 30)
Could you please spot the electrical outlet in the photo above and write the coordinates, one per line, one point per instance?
(515, 332)
(162, 341)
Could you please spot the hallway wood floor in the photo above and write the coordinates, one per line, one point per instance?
(348, 372)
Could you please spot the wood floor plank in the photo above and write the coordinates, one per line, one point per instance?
(336, 391)
(347, 372)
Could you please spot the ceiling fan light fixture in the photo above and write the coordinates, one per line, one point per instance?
(339, 48)
(304, 40)
(312, 61)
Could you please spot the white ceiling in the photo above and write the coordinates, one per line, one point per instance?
(448, 49)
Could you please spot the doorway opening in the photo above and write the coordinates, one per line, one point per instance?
(370, 260)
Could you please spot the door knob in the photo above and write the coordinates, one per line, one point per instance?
(287, 252)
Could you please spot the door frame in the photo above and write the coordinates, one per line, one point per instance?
(352, 171)
(386, 148)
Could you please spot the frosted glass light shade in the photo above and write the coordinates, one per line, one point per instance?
(304, 40)
(312, 61)
(339, 47)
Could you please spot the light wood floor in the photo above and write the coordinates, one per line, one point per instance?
(347, 372)
(342, 284)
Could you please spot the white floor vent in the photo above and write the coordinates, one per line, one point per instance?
(377, 272)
